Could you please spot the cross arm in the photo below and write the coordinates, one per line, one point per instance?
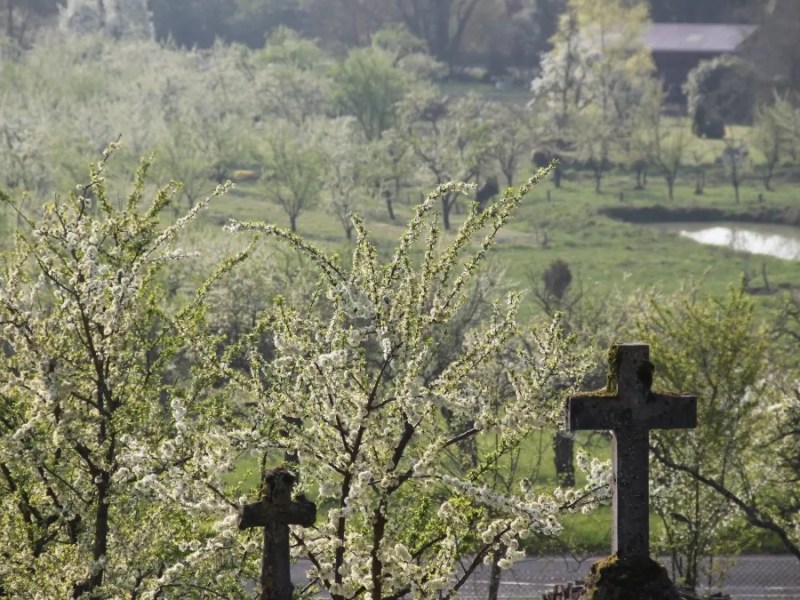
(670, 411)
(658, 411)
(594, 411)
(260, 514)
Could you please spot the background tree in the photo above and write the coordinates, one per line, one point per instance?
(189, 23)
(346, 184)
(128, 19)
(772, 49)
(719, 92)
(252, 21)
(292, 79)
(598, 66)
(369, 85)
(768, 136)
(709, 11)
(451, 140)
(716, 349)
(21, 19)
(665, 144)
(294, 167)
(441, 23)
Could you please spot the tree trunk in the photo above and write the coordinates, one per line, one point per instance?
(293, 223)
(557, 176)
(495, 574)
(768, 176)
(389, 208)
(100, 545)
(10, 19)
(670, 186)
(639, 185)
(447, 205)
(699, 183)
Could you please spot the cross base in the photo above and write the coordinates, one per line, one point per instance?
(629, 578)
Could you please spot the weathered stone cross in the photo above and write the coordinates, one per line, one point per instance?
(630, 410)
(275, 512)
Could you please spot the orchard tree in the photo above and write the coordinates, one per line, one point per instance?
(368, 85)
(294, 167)
(292, 78)
(598, 66)
(737, 163)
(353, 368)
(392, 164)
(665, 146)
(347, 180)
(449, 138)
(592, 140)
(511, 128)
(767, 136)
(111, 458)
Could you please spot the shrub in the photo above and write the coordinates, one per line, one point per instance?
(720, 91)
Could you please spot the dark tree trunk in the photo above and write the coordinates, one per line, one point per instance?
(699, 183)
(387, 195)
(557, 177)
(10, 19)
(496, 574)
(641, 177)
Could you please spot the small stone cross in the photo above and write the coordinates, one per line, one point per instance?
(630, 411)
(275, 512)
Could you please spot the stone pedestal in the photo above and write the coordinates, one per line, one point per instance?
(635, 578)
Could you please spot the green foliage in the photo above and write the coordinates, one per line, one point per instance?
(105, 480)
(198, 23)
(380, 390)
(293, 168)
(368, 85)
(713, 348)
(592, 79)
(719, 92)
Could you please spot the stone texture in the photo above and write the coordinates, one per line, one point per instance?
(628, 578)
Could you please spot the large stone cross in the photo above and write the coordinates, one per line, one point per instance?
(630, 410)
(275, 512)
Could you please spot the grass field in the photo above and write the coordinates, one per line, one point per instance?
(605, 255)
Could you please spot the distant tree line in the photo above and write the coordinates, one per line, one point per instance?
(496, 34)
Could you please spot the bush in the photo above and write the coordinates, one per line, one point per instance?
(720, 91)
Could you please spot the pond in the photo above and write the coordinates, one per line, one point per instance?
(781, 241)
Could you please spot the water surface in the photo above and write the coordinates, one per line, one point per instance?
(781, 241)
